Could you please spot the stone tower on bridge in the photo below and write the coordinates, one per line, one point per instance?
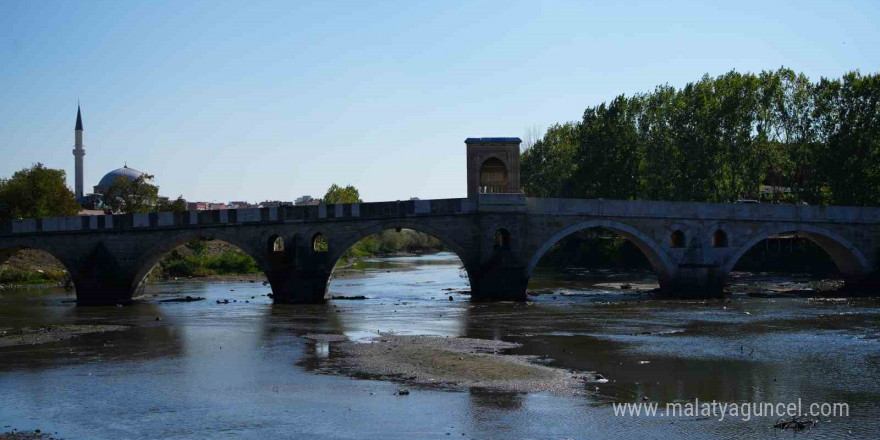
(492, 165)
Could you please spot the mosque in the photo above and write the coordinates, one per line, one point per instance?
(95, 200)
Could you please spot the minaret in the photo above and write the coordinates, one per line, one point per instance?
(78, 153)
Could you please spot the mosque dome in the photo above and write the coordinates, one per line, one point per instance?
(109, 178)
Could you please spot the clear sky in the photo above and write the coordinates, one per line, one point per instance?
(258, 100)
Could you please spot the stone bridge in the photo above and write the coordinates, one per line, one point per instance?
(499, 236)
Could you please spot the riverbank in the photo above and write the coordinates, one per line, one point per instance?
(51, 333)
(27, 435)
(30, 267)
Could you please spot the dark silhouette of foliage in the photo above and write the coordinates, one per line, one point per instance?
(773, 136)
(37, 192)
(338, 194)
(127, 196)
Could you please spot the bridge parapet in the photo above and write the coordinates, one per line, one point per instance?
(284, 214)
(705, 211)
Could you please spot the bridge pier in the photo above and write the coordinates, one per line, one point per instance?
(300, 286)
(100, 279)
(866, 285)
(686, 289)
(694, 281)
(101, 294)
(496, 282)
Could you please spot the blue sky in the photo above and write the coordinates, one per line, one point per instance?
(272, 100)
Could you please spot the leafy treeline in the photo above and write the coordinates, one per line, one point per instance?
(393, 242)
(204, 257)
(29, 266)
(126, 196)
(718, 140)
(595, 248)
(36, 192)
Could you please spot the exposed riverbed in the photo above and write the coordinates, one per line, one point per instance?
(251, 369)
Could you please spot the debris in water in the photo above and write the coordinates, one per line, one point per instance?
(798, 423)
(180, 300)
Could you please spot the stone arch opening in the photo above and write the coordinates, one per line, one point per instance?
(493, 176)
(719, 239)
(407, 244)
(24, 265)
(648, 249)
(276, 244)
(802, 249)
(200, 254)
(501, 239)
(676, 239)
(320, 243)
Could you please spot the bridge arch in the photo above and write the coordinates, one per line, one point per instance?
(338, 246)
(8, 251)
(847, 257)
(660, 261)
(258, 251)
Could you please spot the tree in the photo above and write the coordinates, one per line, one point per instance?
(338, 194)
(720, 139)
(608, 154)
(547, 166)
(37, 192)
(126, 196)
(178, 205)
(849, 127)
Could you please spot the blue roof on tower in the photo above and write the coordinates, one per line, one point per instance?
(491, 140)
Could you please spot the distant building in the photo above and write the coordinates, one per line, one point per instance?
(206, 206)
(274, 204)
(302, 200)
(95, 201)
(414, 198)
(110, 178)
(240, 205)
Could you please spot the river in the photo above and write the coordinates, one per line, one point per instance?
(247, 370)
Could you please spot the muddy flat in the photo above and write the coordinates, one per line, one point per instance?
(450, 362)
(44, 334)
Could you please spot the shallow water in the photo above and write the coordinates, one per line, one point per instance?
(245, 370)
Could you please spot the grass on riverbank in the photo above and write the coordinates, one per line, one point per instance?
(30, 267)
(204, 258)
(10, 275)
(392, 242)
(231, 262)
